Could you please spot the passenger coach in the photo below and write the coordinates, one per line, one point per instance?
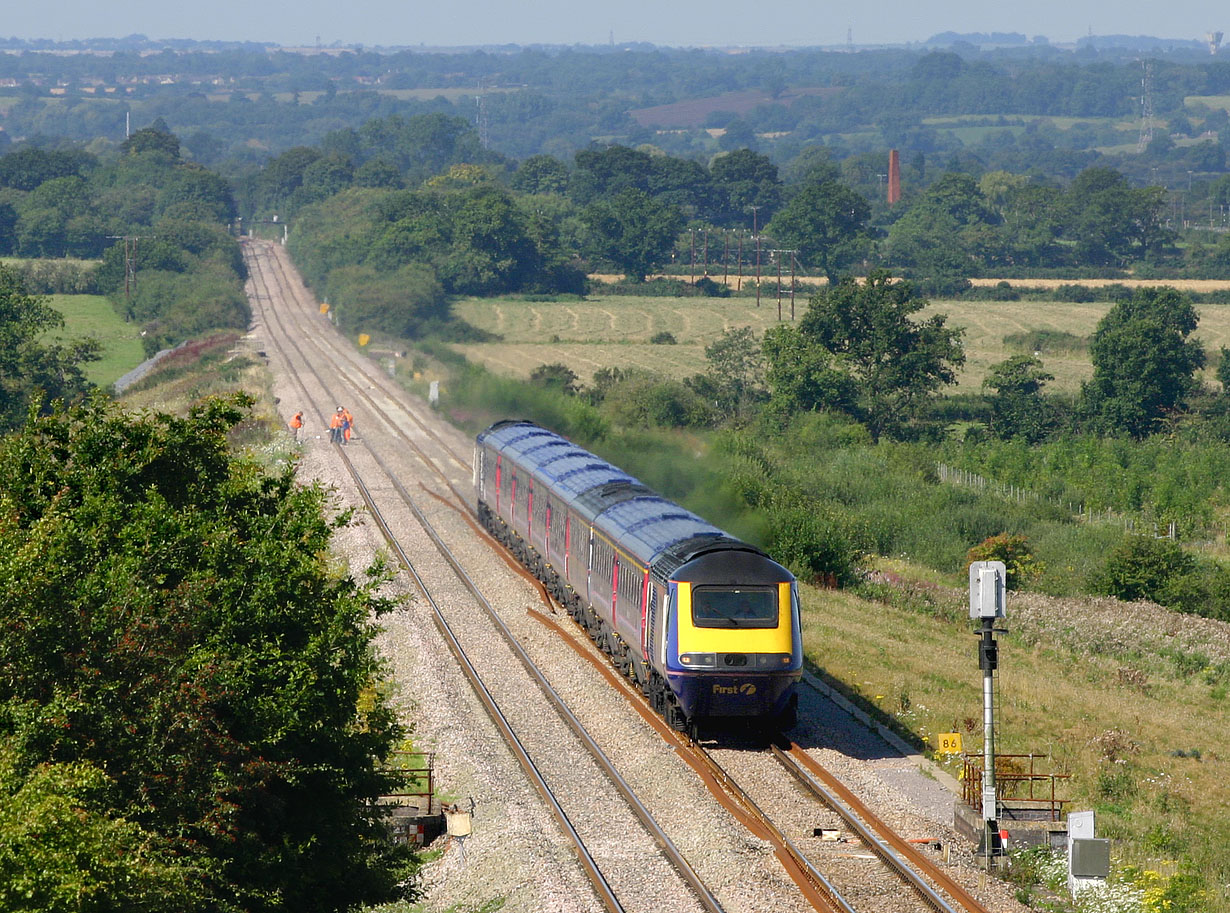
(707, 626)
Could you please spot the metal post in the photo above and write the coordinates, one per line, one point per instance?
(987, 587)
(988, 659)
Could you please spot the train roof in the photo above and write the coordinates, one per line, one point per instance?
(657, 532)
(648, 524)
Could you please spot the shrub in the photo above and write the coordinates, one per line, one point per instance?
(816, 543)
(1077, 294)
(1019, 560)
(1142, 567)
(555, 377)
(663, 339)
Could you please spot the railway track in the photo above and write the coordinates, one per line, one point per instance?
(443, 472)
(531, 731)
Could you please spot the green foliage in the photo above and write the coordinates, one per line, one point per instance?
(804, 377)
(642, 401)
(818, 544)
(63, 848)
(632, 230)
(173, 622)
(1014, 551)
(1144, 361)
(403, 302)
(33, 372)
(896, 363)
(1143, 567)
(1017, 409)
(1046, 342)
(735, 376)
(555, 377)
(172, 306)
(822, 221)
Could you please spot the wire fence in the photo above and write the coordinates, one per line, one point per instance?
(951, 475)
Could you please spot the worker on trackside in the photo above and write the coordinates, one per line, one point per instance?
(335, 427)
(347, 425)
(296, 423)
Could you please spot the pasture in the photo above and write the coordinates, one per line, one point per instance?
(92, 315)
(605, 332)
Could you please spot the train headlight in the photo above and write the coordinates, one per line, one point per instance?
(770, 661)
(699, 660)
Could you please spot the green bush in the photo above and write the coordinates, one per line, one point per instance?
(1013, 550)
(1143, 567)
(817, 543)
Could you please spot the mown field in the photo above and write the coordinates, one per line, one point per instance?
(604, 332)
(92, 315)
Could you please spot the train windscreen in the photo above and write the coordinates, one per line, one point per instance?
(734, 607)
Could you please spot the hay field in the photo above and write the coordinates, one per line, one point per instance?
(615, 331)
(608, 332)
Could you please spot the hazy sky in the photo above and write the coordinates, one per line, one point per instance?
(677, 23)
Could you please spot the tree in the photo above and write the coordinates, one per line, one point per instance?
(1144, 361)
(156, 139)
(61, 851)
(541, 174)
(632, 230)
(1017, 409)
(608, 172)
(803, 376)
(821, 221)
(743, 180)
(896, 363)
(736, 371)
(34, 372)
(172, 620)
(1111, 222)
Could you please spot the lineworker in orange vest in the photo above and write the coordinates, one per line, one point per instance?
(347, 424)
(296, 423)
(335, 426)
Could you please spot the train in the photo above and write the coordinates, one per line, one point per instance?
(705, 625)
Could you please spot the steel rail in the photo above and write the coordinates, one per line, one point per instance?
(362, 363)
(899, 855)
(661, 838)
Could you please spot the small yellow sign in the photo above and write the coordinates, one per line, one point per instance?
(324, 308)
(364, 339)
(949, 743)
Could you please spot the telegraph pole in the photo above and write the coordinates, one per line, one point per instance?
(130, 262)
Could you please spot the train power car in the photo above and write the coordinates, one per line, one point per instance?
(705, 625)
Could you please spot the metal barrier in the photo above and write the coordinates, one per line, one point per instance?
(1011, 778)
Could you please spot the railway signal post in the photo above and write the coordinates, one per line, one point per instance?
(986, 604)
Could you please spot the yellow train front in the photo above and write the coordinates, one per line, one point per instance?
(729, 645)
(705, 625)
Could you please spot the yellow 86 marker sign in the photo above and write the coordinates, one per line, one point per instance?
(949, 743)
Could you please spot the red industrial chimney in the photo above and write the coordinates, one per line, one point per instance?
(894, 177)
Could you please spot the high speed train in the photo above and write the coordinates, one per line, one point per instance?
(705, 625)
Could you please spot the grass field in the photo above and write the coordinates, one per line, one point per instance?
(92, 315)
(615, 332)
